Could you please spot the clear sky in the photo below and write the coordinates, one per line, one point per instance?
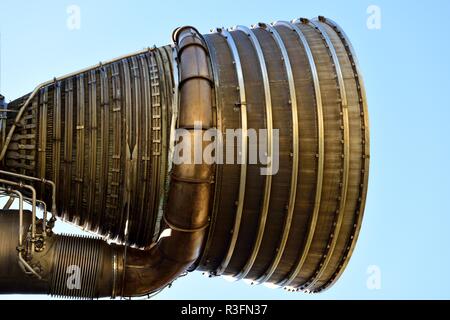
(406, 63)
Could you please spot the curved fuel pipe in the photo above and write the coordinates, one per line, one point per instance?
(188, 203)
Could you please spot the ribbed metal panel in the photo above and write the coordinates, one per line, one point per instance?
(101, 136)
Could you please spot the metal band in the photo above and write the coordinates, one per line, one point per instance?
(192, 181)
(268, 185)
(337, 224)
(295, 147)
(193, 44)
(320, 155)
(179, 229)
(366, 151)
(243, 176)
(211, 81)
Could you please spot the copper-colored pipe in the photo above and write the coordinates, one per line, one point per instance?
(188, 202)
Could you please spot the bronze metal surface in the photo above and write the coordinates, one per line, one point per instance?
(102, 140)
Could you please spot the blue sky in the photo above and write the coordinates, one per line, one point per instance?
(406, 66)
